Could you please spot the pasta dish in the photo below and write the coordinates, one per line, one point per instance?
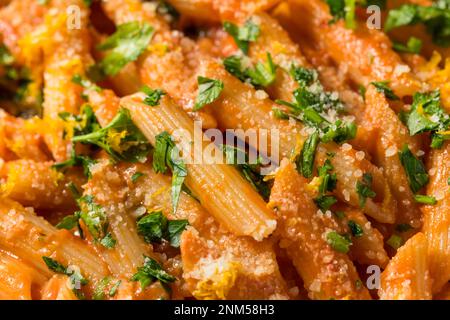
(224, 149)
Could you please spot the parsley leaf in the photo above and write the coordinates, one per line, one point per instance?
(83, 123)
(54, 265)
(166, 155)
(69, 222)
(328, 180)
(414, 45)
(150, 272)
(154, 227)
(338, 242)
(249, 32)
(174, 229)
(75, 161)
(436, 19)
(305, 161)
(94, 216)
(152, 96)
(427, 115)
(262, 75)
(324, 202)
(241, 161)
(403, 227)
(313, 106)
(414, 168)
(125, 45)
(108, 241)
(425, 199)
(121, 139)
(395, 241)
(208, 91)
(363, 188)
(355, 228)
(75, 277)
(136, 176)
(383, 87)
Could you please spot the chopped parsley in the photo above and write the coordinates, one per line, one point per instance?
(136, 176)
(403, 227)
(76, 279)
(436, 19)
(328, 180)
(121, 139)
(108, 241)
(261, 75)
(152, 96)
(166, 155)
(383, 87)
(345, 9)
(249, 32)
(315, 107)
(414, 169)
(150, 272)
(75, 161)
(363, 188)
(414, 45)
(427, 115)
(305, 161)
(324, 202)
(425, 199)
(124, 46)
(102, 288)
(96, 221)
(338, 242)
(355, 228)
(395, 241)
(208, 91)
(250, 171)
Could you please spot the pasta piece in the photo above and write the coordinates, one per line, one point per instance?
(327, 273)
(391, 136)
(407, 277)
(220, 187)
(107, 187)
(37, 184)
(21, 138)
(367, 244)
(436, 226)
(30, 237)
(252, 271)
(17, 279)
(16, 21)
(57, 288)
(367, 53)
(66, 55)
(105, 105)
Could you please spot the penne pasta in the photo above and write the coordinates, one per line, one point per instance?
(407, 277)
(30, 237)
(380, 62)
(327, 273)
(436, 226)
(246, 213)
(37, 184)
(253, 264)
(18, 279)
